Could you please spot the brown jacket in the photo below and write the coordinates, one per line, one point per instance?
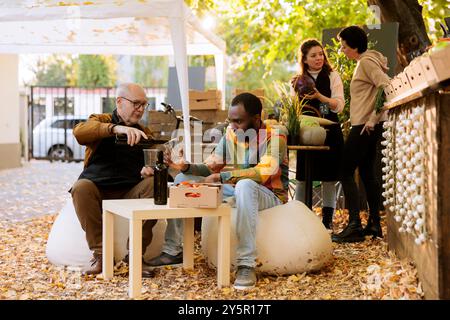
(97, 127)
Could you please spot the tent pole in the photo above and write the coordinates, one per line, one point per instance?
(219, 60)
(178, 32)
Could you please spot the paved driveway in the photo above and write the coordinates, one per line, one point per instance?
(38, 188)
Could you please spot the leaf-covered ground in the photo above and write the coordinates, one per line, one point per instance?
(358, 271)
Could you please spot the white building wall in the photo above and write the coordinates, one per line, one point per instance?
(9, 111)
(9, 98)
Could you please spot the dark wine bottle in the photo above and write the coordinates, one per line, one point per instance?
(160, 180)
(143, 143)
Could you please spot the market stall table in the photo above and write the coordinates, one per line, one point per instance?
(308, 168)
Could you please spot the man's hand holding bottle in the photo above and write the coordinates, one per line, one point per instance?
(133, 135)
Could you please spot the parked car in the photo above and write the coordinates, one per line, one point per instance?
(49, 140)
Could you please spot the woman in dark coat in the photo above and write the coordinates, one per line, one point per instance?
(326, 100)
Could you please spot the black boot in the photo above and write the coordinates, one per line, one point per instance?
(373, 227)
(327, 217)
(352, 233)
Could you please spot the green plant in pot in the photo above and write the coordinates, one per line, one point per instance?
(290, 111)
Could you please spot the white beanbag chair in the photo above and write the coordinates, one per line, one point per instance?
(290, 239)
(67, 245)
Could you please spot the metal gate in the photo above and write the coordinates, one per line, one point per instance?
(54, 111)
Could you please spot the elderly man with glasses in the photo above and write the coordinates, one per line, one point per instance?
(112, 171)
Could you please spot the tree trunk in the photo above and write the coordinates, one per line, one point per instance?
(412, 35)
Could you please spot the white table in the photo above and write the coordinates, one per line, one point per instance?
(137, 210)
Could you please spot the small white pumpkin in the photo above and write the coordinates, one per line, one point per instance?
(311, 133)
(312, 136)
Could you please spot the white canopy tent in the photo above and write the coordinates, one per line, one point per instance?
(134, 27)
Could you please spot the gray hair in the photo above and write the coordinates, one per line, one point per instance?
(123, 90)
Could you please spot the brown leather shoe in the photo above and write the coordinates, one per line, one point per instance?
(96, 265)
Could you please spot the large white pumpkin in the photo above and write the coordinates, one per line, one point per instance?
(67, 245)
(290, 239)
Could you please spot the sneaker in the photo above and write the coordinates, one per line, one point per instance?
(165, 259)
(245, 278)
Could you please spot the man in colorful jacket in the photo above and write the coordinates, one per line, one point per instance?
(112, 171)
(258, 179)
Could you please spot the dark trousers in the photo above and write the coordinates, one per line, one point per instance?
(87, 200)
(360, 151)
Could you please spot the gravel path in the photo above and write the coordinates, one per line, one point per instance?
(38, 188)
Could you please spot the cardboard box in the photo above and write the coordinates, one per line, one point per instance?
(205, 195)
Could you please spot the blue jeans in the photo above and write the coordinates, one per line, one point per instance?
(251, 197)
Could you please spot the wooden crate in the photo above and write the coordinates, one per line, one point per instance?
(431, 258)
(204, 95)
(205, 100)
(161, 124)
(210, 104)
(257, 92)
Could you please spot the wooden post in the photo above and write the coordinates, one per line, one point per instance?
(135, 271)
(188, 244)
(108, 245)
(223, 250)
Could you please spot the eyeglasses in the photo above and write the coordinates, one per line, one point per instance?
(137, 104)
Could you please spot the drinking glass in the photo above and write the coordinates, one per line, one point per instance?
(150, 157)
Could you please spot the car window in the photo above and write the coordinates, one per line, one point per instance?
(77, 121)
(59, 124)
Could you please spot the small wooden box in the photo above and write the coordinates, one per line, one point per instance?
(420, 78)
(436, 65)
(441, 62)
(415, 80)
(389, 92)
(428, 70)
(406, 85)
(397, 85)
